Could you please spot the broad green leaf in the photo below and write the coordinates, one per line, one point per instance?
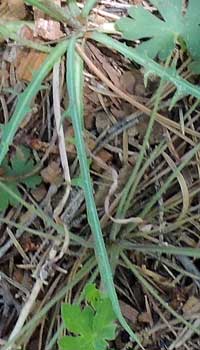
(72, 343)
(108, 332)
(103, 321)
(6, 199)
(100, 344)
(93, 326)
(88, 315)
(169, 10)
(32, 181)
(162, 34)
(22, 164)
(13, 186)
(104, 314)
(191, 28)
(76, 320)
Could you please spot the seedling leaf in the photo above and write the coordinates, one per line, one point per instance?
(21, 165)
(93, 325)
(6, 199)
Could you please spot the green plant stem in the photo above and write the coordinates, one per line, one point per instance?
(151, 67)
(73, 8)
(55, 11)
(162, 249)
(12, 31)
(74, 77)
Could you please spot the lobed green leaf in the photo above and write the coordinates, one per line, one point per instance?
(163, 33)
(76, 320)
(21, 164)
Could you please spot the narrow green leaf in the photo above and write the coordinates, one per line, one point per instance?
(75, 96)
(11, 30)
(53, 10)
(73, 8)
(148, 63)
(25, 99)
(88, 7)
(161, 249)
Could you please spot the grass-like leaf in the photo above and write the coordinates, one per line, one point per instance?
(54, 11)
(169, 250)
(25, 99)
(183, 86)
(74, 76)
(88, 7)
(11, 30)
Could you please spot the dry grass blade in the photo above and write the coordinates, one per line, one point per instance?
(168, 123)
(61, 137)
(183, 186)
